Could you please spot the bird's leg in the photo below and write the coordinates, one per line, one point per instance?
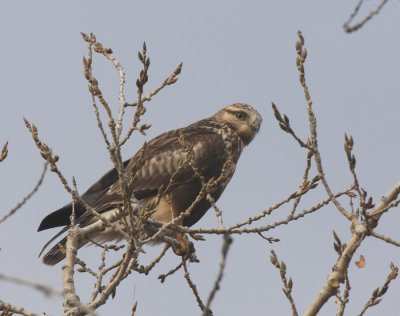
(184, 244)
(185, 248)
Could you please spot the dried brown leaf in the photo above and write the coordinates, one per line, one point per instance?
(361, 262)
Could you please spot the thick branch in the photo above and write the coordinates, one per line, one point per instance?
(338, 274)
(71, 299)
(386, 200)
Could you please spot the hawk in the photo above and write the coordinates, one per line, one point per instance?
(179, 161)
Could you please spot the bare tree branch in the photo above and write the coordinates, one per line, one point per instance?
(8, 309)
(349, 29)
(337, 276)
(301, 58)
(163, 277)
(284, 124)
(287, 284)
(385, 201)
(52, 161)
(193, 287)
(45, 289)
(233, 230)
(171, 79)
(27, 197)
(378, 293)
(72, 302)
(136, 226)
(342, 301)
(385, 238)
(225, 248)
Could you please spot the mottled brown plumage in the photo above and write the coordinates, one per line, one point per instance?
(215, 144)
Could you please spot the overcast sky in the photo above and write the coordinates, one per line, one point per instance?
(232, 51)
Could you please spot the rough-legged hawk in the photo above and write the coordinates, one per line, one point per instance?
(171, 171)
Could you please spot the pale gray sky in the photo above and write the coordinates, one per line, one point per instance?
(233, 51)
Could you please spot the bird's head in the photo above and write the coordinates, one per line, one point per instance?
(243, 118)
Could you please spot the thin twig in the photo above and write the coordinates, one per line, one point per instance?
(287, 284)
(45, 289)
(342, 302)
(378, 293)
(168, 81)
(135, 303)
(290, 218)
(301, 58)
(99, 276)
(349, 29)
(225, 248)
(27, 197)
(310, 186)
(284, 124)
(385, 238)
(146, 270)
(162, 277)
(121, 93)
(84, 268)
(348, 147)
(192, 286)
(99, 122)
(110, 288)
(140, 109)
(304, 183)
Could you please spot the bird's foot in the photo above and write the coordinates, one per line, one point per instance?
(185, 249)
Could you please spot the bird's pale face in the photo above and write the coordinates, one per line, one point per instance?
(243, 118)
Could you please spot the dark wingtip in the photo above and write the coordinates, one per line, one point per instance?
(60, 217)
(50, 221)
(41, 226)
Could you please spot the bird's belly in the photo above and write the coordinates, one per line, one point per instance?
(163, 211)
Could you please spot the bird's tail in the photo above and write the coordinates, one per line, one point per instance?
(57, 253)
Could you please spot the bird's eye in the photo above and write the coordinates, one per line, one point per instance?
(240, 115)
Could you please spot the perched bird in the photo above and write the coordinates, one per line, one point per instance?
(214, 145)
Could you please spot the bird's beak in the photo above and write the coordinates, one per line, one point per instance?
(255, 124)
